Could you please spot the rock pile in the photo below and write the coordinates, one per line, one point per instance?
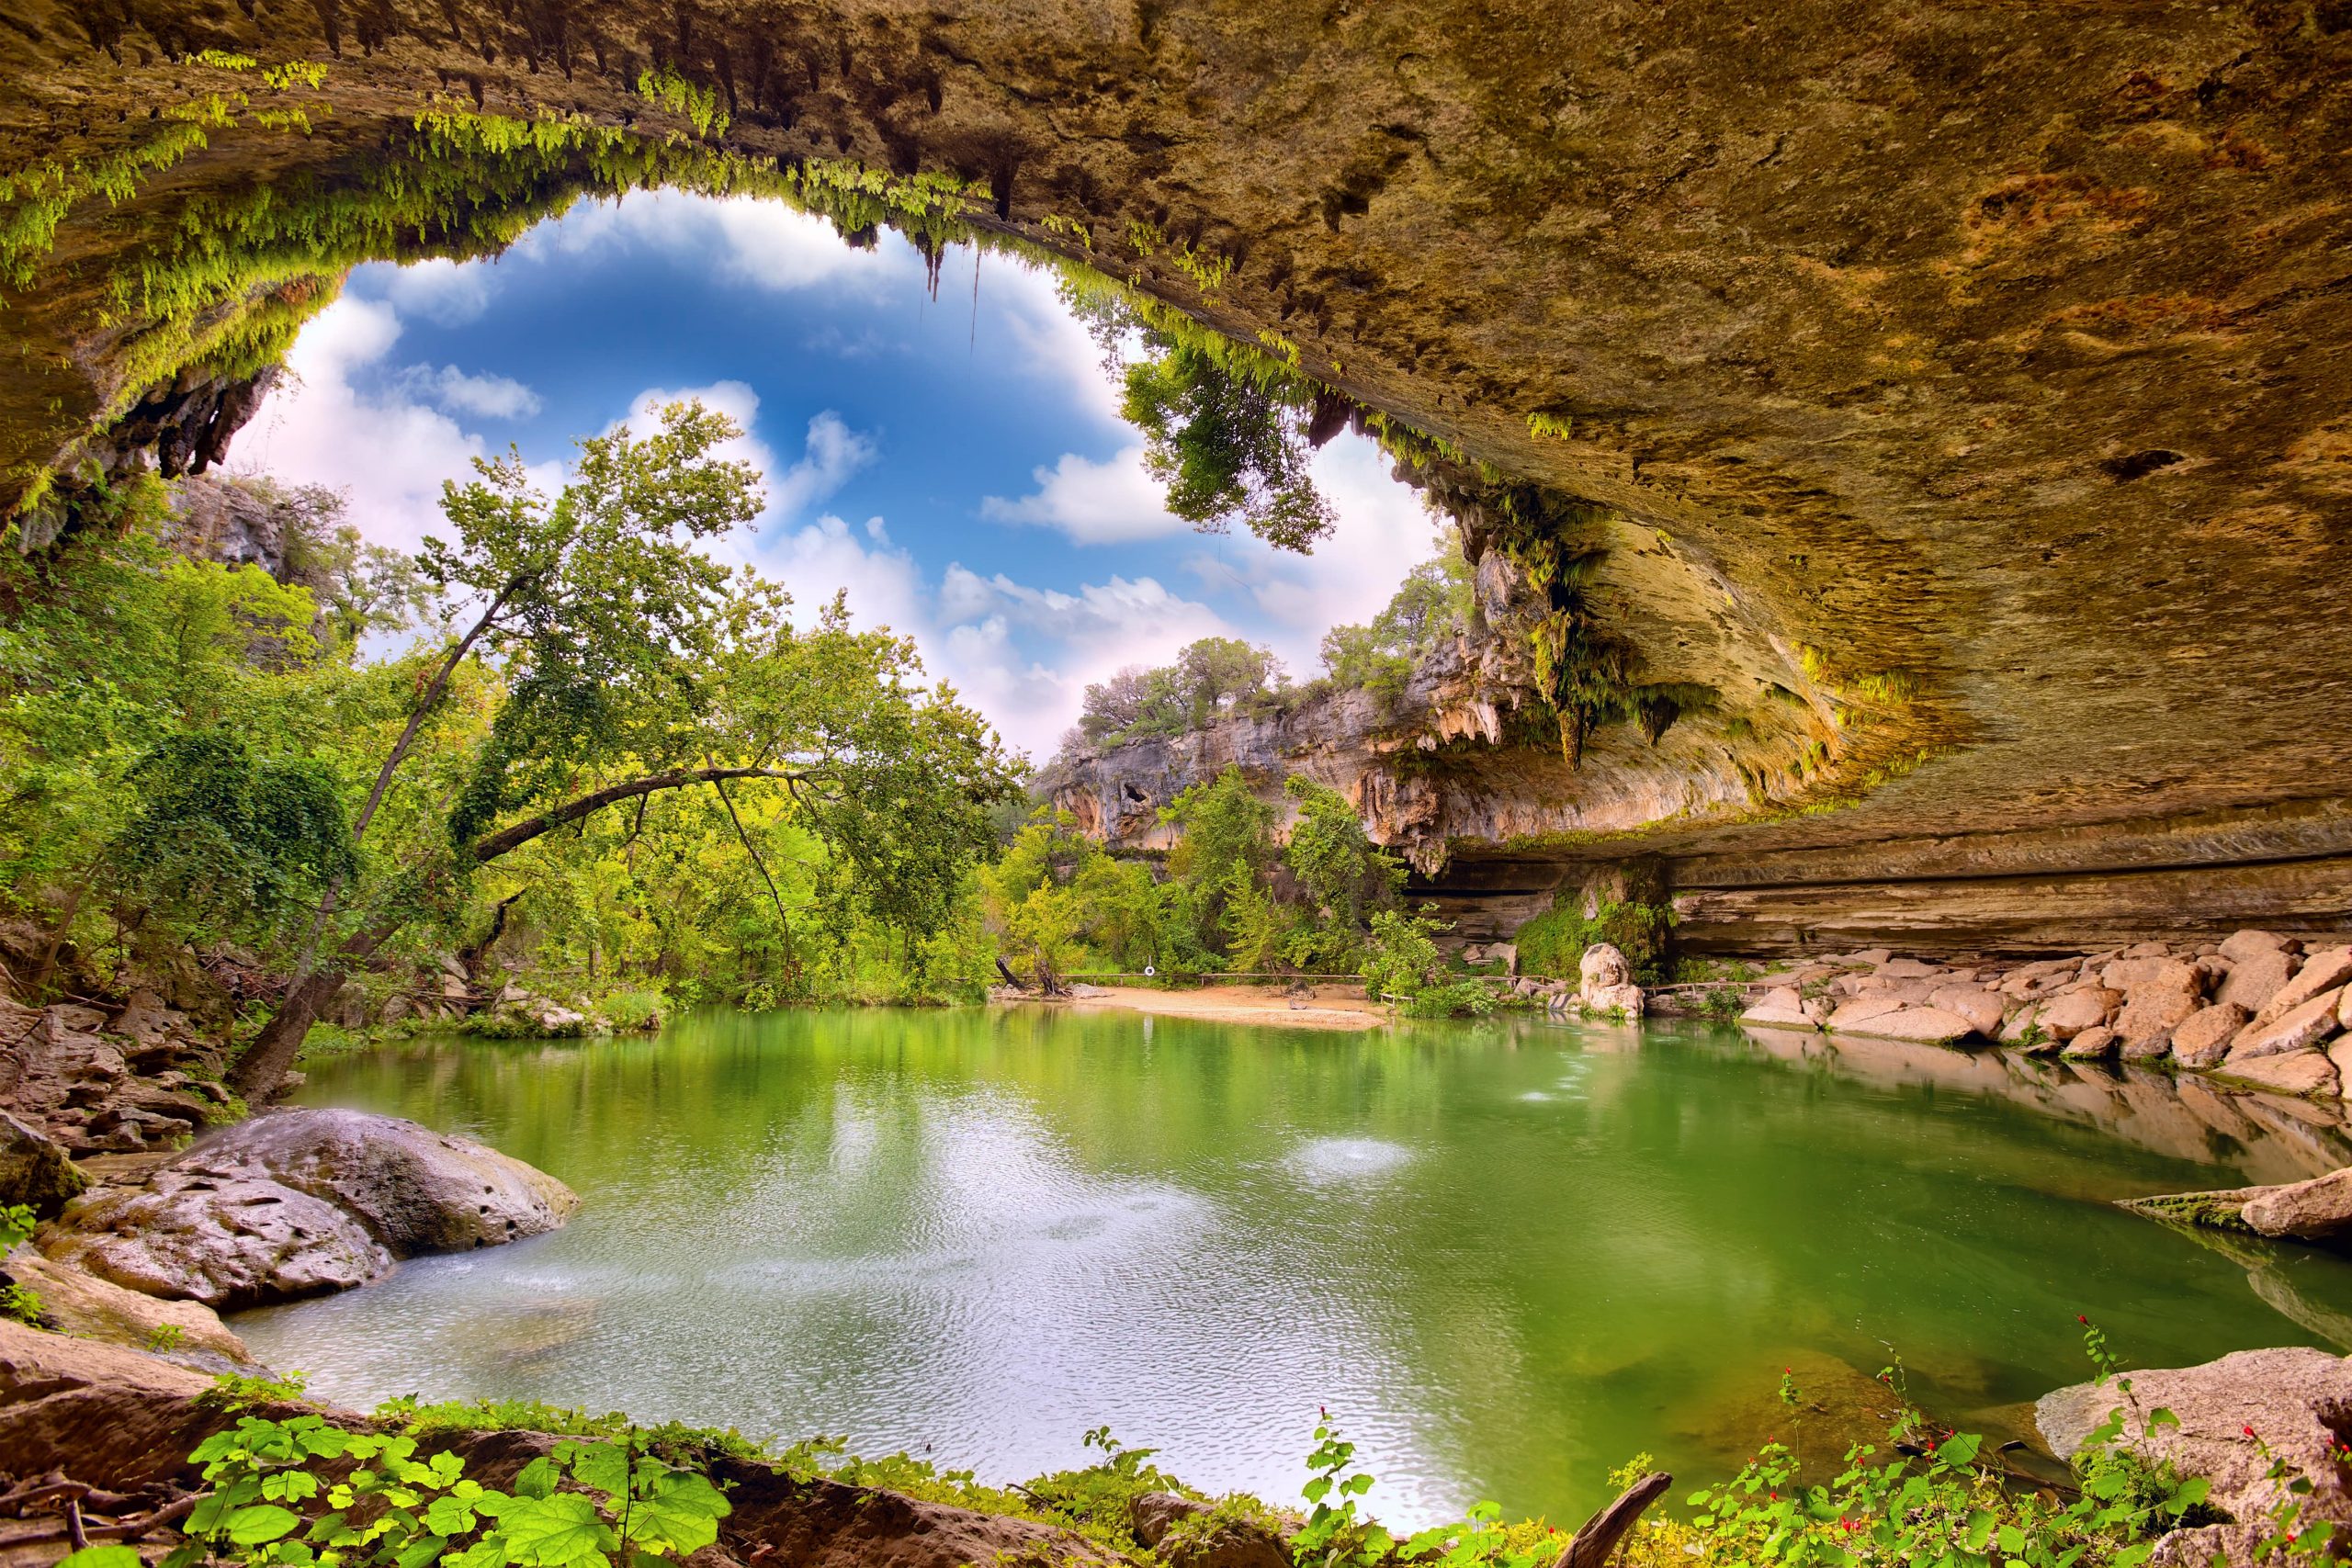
(2257, 1008)
(1604, 987)
(93, 1081)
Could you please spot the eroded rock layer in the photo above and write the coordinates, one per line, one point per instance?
(1972, 383)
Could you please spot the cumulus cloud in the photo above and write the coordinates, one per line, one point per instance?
(761, 242)
(445, 292)
(1111, 503)
(389, 451)
(492, 397)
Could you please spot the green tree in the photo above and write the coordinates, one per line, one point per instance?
(1340, 872)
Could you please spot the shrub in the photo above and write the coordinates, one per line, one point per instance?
(1553, 944)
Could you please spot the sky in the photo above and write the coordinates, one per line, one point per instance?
(958, 465)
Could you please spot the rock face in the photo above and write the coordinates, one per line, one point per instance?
(2304, 1210)
(1875, 338)
(34, 1169)
(304, 1202)
(2295, 1401)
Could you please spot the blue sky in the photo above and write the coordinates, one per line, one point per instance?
(960, 471)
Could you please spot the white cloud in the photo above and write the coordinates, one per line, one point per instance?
(761, 242)
(445, 292)
(1110, 503)
(390, 452)
(492, 397)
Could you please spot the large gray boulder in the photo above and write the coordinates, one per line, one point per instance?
(303, 1202)
(2294, 1401)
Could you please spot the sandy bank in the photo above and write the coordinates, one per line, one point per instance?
(1331, 1007)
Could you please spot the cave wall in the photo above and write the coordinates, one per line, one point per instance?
(1993, 355)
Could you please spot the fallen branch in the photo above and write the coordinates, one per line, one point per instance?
(128, 1530)
(1593, 1544)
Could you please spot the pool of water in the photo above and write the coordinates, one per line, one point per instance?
(1509, 1256)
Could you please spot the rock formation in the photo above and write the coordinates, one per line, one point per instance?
(1953, 396)
(302, 1202)
(2235, 1417)
(2149, 1002)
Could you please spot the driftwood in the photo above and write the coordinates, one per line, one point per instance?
(1592, 1545)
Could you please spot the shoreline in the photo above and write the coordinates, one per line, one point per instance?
(1331, 1006)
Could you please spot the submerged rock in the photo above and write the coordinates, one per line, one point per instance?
(304, 1202)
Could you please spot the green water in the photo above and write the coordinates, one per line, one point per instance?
(1508, 1256)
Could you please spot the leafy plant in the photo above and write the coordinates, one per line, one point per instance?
(389, 1504)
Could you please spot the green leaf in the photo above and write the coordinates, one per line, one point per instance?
(259, 1523)
(1959, 1450)
(450, 1516)
(600, 1467)
(679, 1514)
(421, 1553)
(1979, 1529)
(2160, 1416)
(556, 1531)
(102, 1557)
(538, 1479)
(2012, 1539)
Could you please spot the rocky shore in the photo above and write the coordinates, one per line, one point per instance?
(2258, 1009)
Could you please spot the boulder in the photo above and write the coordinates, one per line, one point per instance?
(2292, 1401)
(2153, 1011)
(1602, 964)
(1621, 999)
(2090, 1044)
(2303, 1210)
(2239, 946)
(1926, 1026)
(2296, 1072)
(2069, 1013)
(1605, 982)
(1853, 1014)
(187, 1333)
(1980, 1007)
(2326, 970)
(1872, 957)
(35, 1169)
(2313, 1022)
(302, 1202)
(1781, 1007)
(1908, 969)
(2202, 1039)
(226, 1238)
(1184, 1532)
(2128, 974)
(2256, 979)
(416, 1189)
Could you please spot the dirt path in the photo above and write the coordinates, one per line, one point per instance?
(1332, 1007)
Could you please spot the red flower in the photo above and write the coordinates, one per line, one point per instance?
(2080, 1318)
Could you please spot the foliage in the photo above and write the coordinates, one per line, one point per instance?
(19, 1303)
(1226, 426)
(1342, 873)
(1210, 679)
(671, 1440)
(1553, 944)
(1402, 958)
(394, 1507)
(215, 829)
(1438, 600)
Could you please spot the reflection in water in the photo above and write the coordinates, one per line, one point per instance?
(1510, 1255)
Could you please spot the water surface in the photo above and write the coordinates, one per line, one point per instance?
(1508, 1256)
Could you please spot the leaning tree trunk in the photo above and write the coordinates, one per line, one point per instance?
(266, 1062)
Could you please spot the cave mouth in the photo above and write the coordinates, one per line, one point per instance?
(939, 431)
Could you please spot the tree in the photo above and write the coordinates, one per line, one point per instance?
(1227, 430)
(1341, 872)
(1225, 826)
(633, 666)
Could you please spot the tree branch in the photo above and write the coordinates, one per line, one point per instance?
(493, 845)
